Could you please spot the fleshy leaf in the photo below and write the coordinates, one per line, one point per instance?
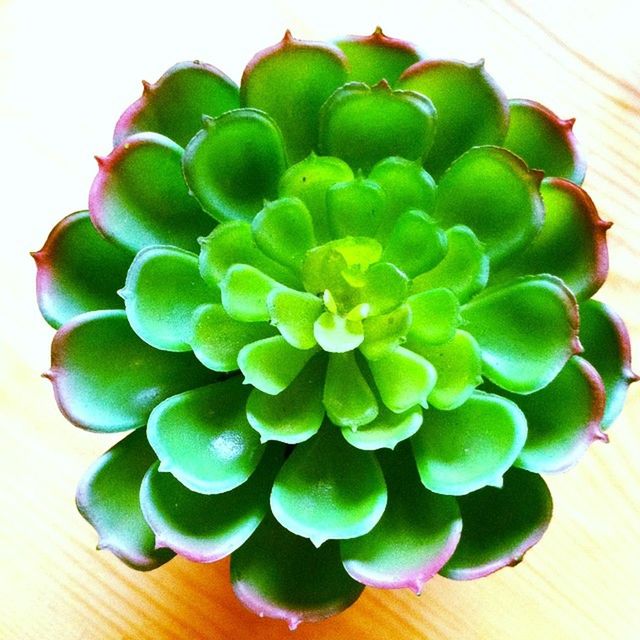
(234, 163)
(404, 379)
(544, 141)
(471, 108)
(283, 230)
(377, 57)
(70, 280)
(291, 81)
(355, 208)
(491, 191)
(526, 329)
(570, 245)
(386, 431)
(244, 291)
(293, 313)
(385, 288)
(106, 379)
(383, 333)
(329, 490)
(206, 528)
(161, 293)
(458, 367)
(204, 439)
(139, 196)
(295, 414)
(108, 498)
(435, 316)
(281, 575)
(464, 268)
(416, 535)
(407, 186)
(309, 180)
(607, 348)
(363, 125)
(464, 449)
(563, 418)
(272, 364)
(175, 104)
(337, 334)
(416, 243)
(347, 397)
(500, 525)
(217, 338)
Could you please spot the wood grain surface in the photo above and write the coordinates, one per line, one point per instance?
(67, 69)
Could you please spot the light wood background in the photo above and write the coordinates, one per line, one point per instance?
(67, 69)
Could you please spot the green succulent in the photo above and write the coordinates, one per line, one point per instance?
(354, 323)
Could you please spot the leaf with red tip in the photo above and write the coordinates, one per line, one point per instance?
(206, 528)
(464, 449)
(491, 191)
(376, 57)
(106, 379)
(500, 525)
(280, 575)
(571, 243)
(139, 196)
(607, 348)
(108, 498)
(544, 141)
(363, 125)
(291, 81)
(234, 163)
(527, 330)
(471, 108)
(416, 535)
(175, 104)
(329, 490)
(78, 270)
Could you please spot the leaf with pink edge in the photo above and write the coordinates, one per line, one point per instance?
(500, 525)
(108, 498)
(281, 575)
(106, 379)
(72, 281)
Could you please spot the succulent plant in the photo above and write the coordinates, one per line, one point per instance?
(353, 326)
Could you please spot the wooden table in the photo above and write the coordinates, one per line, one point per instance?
(67, 69)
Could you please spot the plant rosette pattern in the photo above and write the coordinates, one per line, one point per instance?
(345, 311)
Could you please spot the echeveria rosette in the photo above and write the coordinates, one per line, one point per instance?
(353, 326)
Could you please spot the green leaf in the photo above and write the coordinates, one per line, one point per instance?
(108, 498)
(363, 124)
(355, 208)
(244, 291)
(293, 313)
(272, 364)
(435, 316)
(571, 244)
(337, 334)
(384, 333)
(139, 196)
(161, 293)
(295, 414)
(500, 525)
(416, 535)
(206, 528)
(347, 397)
(78, 270)
(526, 329)
(464, 269)
(217, 338)
(385, 288)
(376, 57)
(234, 163)
(467, 448)
(493, 192)
(329, 490)
(203, 438)
(291, 81)
(280, 575)
(544, 141)
(174, 105)
(416, 243)
(106, 379)
(607, 348)
(471, 108)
